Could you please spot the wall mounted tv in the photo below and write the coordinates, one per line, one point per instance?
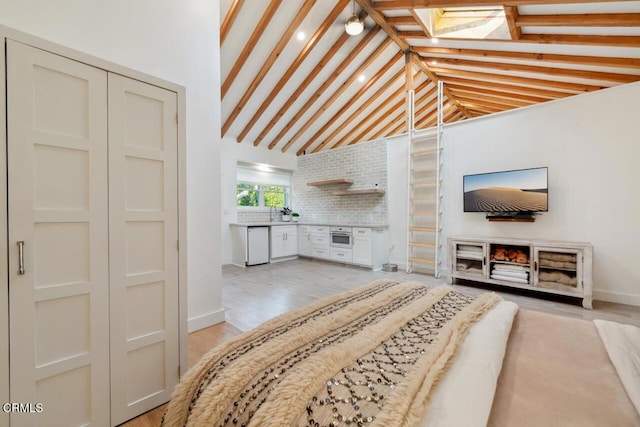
(506, 192)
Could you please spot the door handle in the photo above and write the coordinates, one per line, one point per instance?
(21, 257)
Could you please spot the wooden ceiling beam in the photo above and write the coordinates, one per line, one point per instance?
(513, 103)
(381, 20)
(482, 103)
(536, 69)
(511, 15)
(402, 20)
(504, 88)
(377, 113)
(326, 106)
(346, 122)
(500, 94)
(580, 20)
(429, 73)
(275, 53)
(306, 82)
(306, 50)
(272, 8)
(229, 19)
(328, 82)
(421, 4)
(425, 30)
(524, 81)
(601, 61)
(354, 99)
(589, 40)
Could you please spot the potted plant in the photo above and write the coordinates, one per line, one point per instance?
(295, 216)
(286, 214)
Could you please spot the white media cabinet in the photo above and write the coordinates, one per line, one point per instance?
(556, 267)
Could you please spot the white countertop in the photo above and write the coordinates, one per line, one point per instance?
(327, 224)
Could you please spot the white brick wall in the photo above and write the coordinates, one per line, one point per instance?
(365, 164)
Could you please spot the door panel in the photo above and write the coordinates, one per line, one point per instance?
(143, 218)
(4, 291)
(57, 184)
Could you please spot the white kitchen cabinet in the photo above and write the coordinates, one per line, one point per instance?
(320, 241)
(304, 240)
(362, 247)
(284, 242)
(341, 255)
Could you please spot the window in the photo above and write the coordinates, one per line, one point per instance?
(260, 195)
(261, 187)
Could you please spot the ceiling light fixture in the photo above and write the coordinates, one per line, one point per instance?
(354, 25)
(301, 35)
(434, 40)
(361, 78)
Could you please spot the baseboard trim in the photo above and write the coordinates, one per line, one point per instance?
(617, 297)
(206, 320)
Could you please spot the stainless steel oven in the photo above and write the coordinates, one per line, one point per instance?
(341, 237)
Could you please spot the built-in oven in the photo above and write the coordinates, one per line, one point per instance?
(341, 237)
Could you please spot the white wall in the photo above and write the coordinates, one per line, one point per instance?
(398, 163)
(178, 42)
(591, 144)
(232, 152)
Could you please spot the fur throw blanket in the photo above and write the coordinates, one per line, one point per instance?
(365, 357)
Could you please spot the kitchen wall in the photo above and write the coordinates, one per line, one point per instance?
(178, 42)
(365, 164)
(591, 145)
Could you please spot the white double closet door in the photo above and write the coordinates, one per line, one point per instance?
(93, 257)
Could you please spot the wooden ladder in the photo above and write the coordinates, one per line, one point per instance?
(424, 228)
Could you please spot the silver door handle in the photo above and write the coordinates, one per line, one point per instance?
(21, 257)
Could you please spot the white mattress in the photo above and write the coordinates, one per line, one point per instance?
(464, 396)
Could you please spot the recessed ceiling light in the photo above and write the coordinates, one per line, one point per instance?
(434, 40)
(301, 35)
(361, 78)
(434, 62)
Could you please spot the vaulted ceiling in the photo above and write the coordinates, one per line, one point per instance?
(293, 80)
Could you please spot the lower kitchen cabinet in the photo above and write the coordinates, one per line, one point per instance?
(342, 255)
(304, 240)
(284, 242)
(362, 247)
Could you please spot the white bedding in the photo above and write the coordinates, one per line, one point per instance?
(464, 396)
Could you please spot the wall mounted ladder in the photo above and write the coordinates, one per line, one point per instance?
(424, 227)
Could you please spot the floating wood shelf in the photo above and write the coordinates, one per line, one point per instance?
(510, 219)
(372, 191)
(330, 182)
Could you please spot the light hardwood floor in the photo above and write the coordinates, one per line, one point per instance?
(253, 295)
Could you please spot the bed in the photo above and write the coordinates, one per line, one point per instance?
(386, 354)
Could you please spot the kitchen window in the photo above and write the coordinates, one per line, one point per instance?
(259, 187)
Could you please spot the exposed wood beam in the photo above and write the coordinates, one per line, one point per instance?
(504, 88)
(229, 19)
(487, 104)
(580, 20)
(500, 94)
(302, 87)
(376, 113)
(618, 41)
(512, 103)
(550, 71)
(381, 20)
(293, 26)
(354, 76)
(250, 45)
(524, 81)
(603, 61)
(590, 40)
(402, 20)
(354, 99)
(346, 122)
(306, 50)
(328, 82)
(511, 15)
(425, 69)
(418, 4)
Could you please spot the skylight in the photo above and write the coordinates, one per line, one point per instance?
(479, 22)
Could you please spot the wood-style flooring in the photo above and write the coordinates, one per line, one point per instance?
(252, 295)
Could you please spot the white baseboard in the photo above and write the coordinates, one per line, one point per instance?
(205, 320)
(617, 297)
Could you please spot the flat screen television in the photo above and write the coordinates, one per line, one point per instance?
(506, 192)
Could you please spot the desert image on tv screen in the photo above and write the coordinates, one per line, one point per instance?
(510, 191)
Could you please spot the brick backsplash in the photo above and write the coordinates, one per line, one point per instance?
(365, 164)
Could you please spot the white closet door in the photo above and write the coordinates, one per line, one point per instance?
(57, 183)
(143, 222)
